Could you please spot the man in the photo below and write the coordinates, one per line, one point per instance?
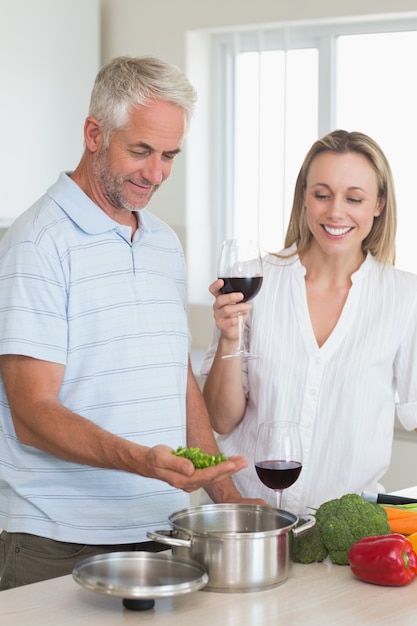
(96, 384)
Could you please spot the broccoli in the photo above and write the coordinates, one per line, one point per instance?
(346, 520)
(198, 458)
(340, 523)
(309, 547)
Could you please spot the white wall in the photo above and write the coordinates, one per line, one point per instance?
(402, 472)
(49, 55)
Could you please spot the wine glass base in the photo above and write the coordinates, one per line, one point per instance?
(241, 355)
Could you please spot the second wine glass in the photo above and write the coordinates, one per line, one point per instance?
(240, 268)
(278, 455)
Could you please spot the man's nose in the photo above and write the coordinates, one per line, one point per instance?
(153, 169)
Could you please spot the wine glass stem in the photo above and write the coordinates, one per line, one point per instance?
(241, 347)
(279, 498)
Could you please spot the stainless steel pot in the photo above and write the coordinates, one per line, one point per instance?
(243, 547)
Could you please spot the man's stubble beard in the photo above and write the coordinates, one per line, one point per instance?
(113, 187)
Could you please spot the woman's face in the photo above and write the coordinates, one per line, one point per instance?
(341, 200)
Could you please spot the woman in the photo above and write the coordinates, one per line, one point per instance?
(335, 326)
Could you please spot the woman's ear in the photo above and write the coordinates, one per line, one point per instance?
(380, 206)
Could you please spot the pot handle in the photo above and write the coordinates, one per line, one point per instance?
(310, 520)
(165, 536)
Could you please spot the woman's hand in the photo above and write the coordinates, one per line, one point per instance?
(226, 308)
(223, 389)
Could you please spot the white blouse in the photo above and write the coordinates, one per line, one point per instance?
(344, 395)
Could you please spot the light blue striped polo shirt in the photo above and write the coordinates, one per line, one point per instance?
(75, 290)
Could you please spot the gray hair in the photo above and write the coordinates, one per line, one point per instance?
(127, 82)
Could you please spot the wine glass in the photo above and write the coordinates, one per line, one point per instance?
(278, 455)
(240, 267)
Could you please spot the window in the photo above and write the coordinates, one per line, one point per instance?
(276, 89)
(376, 92)
(272, 126)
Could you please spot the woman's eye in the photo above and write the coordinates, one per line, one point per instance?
(321, 196)
(355, 200)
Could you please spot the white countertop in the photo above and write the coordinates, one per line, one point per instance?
(319, 594)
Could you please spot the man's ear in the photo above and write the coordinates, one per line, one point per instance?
(93, 136)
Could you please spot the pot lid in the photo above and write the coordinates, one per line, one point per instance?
(139, 575)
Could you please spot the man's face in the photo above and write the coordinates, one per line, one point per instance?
(139, 157)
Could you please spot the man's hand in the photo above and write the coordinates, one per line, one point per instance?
(181, 473)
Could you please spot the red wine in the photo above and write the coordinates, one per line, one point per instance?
(278, 474)
(248, 286)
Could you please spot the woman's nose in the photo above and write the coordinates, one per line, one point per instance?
(336, 207)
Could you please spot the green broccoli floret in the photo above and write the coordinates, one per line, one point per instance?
(309, 547)
(345, 520)
(199, 459)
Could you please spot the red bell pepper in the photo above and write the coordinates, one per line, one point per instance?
(384, 560)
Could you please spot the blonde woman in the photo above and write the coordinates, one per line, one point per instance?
(335, 325)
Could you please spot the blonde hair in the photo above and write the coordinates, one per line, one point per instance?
(381, 240)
